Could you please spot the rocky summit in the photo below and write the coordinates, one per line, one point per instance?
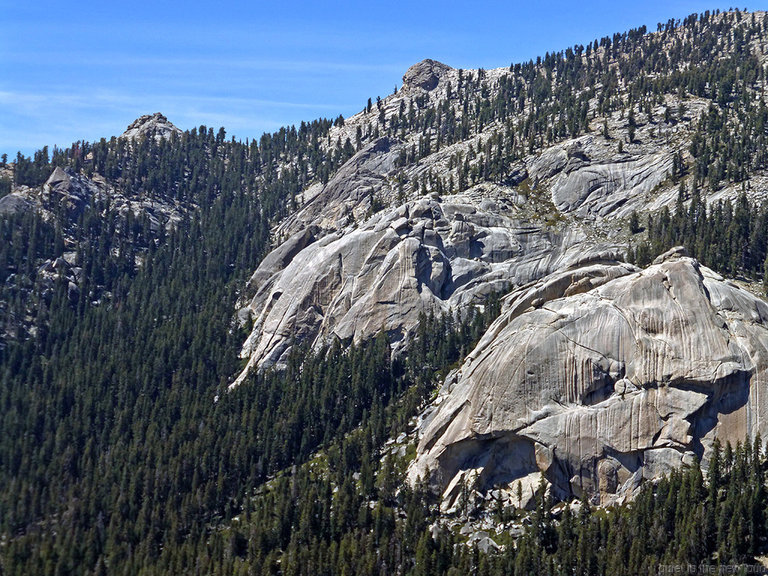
(425, 75)
(151, 125)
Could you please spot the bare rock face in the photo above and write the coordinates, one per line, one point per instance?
(600, 188)
(155, 125)
(586, 179)
(425, 75)
(348, 194)
(428, 254)
(601, 375)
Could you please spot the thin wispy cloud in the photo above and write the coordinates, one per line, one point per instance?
(150, 62)
(22, 100)
(252, 67)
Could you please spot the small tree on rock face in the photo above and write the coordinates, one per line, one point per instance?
(464, 497)
(765, 275)
(5, 186)
(630, 254)
(643, 255)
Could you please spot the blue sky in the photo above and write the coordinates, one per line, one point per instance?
(85, 70)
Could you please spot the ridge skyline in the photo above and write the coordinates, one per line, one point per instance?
(255, 69)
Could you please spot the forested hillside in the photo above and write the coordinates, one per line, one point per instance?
(123, 449)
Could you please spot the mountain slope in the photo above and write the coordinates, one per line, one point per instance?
(510, 176)
(550, 155)
(357, 265)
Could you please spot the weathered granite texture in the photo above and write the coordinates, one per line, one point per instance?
(600, 375)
